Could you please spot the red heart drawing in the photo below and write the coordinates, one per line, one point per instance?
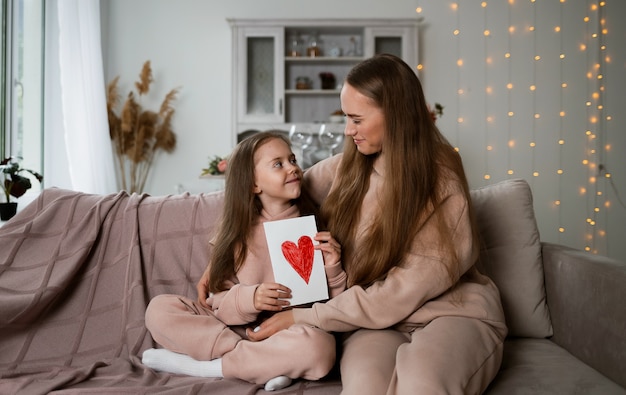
(300, 257)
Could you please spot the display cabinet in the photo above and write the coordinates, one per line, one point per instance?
(290, 71)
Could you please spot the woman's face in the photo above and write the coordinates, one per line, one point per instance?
(365, 122)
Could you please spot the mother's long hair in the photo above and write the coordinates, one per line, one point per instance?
(414, 151)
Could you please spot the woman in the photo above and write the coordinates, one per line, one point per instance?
(418, 317)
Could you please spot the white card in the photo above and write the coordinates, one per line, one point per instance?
(296, 264)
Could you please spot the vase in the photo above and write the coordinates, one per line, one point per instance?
(328, 80)
(8, 210)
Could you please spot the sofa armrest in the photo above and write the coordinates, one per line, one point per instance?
(586, 296)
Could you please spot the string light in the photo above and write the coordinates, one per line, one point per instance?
(539, 46)
(600, 199)
(533, 90)
(509, 87)
(561, 141)
(595, 127)
(489, 119)
(456, 33)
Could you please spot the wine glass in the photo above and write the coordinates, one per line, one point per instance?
(330, 136)
(300, 139)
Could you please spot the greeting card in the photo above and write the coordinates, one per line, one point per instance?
(295, 262)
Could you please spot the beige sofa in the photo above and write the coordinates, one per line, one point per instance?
(77, 271)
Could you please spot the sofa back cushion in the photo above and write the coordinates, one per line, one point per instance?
(510, 248)
(511, 254)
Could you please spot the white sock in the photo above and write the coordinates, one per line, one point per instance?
(168, 361)
(277, 383)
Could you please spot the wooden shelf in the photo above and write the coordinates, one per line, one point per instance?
(324, 59)
(312, 92)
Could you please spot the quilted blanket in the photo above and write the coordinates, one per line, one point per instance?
(76, 274)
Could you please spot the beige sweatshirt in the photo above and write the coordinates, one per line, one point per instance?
(236, 305)
(416, 291)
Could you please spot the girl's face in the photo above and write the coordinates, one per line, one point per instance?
(365, 120)
(277, 175)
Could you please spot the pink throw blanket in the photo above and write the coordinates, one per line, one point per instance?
(76, 273)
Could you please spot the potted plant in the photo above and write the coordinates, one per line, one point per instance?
(217, 167)
(14, 185)
(139, 134)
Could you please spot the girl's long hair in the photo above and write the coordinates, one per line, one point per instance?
(414, 152)
(242, 209)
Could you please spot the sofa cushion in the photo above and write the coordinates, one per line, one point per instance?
(511, 254)
(540, 366)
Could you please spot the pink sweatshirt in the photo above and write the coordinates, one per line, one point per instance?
(416, 291)
(236, 305)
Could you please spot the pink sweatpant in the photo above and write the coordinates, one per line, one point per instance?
(450, 355)
(181, 325)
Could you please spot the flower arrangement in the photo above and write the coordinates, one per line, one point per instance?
(14, 184)
(437, 112)
(137, 134)
(217, 166)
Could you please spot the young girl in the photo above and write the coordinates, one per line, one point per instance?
(208, 338)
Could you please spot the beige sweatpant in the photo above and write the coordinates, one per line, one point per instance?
(450, 355)
(182, 325)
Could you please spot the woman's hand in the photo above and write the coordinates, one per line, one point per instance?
(331, 249)
(275, 323)
(203, 288)
(270, 297)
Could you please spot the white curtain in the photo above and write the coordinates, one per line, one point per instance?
(78, 152)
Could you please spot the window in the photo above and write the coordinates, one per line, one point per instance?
(21, 79)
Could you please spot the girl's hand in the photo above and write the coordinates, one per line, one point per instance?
(275, 323)
(270, 297)
(331, 250)
(203, 288)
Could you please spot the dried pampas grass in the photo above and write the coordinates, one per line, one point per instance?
(137, 134)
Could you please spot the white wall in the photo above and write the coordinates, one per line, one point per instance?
(188, 42)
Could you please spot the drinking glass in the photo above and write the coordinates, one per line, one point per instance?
(330, 136)
(301, 139)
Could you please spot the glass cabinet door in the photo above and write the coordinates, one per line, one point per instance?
(260, 68)
(399, 41)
